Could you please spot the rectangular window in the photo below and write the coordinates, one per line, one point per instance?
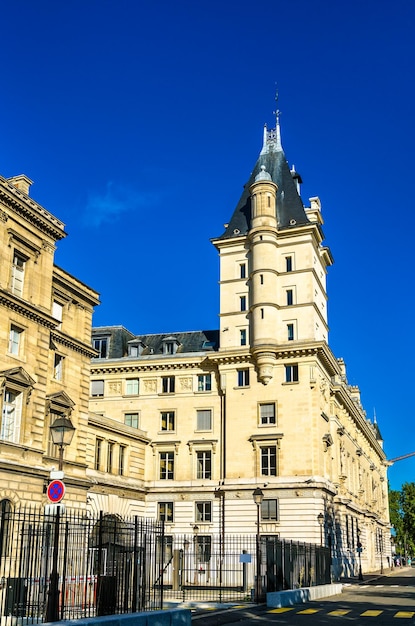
(290, 332)
(131, 419)
(58, 366)
(18, 268)
(204, 464)
(98, 454)
(242, 270)
(132, 386)
(166, 465)
(269, 461)
(290, 297)
(288, 264)
(11, 416)
(97, 388)
(291, 373)
(243, 378)
(101, 344)
(242, 333)
(57, 312)
(121, 460)
(203, 548)
(14, 339)
(269, 510)
(164, 546)
(168, 420)
(204, 511)
(267, 414)
(167, 384)
(110, 457)
(204, 419)
(204, 382)
(165, 512)
(242, 300)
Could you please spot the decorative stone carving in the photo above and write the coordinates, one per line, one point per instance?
(115, 386)
(150, 385)
(186, 383)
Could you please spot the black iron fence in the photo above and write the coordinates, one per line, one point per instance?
(216, 568)
(70, 566)
(67, 566)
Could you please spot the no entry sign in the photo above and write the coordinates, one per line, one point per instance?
(56, 491)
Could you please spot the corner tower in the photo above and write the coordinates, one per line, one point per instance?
(272, 265)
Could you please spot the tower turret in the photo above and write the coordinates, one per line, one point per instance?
(263, 277)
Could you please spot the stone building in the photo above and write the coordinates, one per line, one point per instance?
(45, 353)
(180, 419)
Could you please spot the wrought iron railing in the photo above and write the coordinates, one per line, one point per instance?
(68, 566)
(71, 565)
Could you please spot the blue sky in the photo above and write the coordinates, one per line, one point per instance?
(140, 122)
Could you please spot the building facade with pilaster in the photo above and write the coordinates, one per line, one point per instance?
(45, 353)
(261, 402)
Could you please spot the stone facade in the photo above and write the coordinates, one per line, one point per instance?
(262, 402)
(45, 352)
(185, 426)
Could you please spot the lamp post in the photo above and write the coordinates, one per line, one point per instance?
(195, 550)
(320, 519)
(220, 493)
(258, 496)
(62, 431)
(359, 551)
(381, 549)
(185, 558)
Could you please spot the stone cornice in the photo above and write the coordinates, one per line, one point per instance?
(121, 367)
(27, 208)
(105, 423)
(81, 293)
(342, 395)
(69, 342)
(24, 308)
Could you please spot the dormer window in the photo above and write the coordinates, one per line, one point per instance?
(101, 345)
(136, 348)
(170, 345)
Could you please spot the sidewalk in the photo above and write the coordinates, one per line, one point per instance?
(369, 576)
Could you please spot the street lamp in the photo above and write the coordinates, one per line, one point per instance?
(220, 493)
(258, 496)
(320, 519)
(381, 549)
(62, 431)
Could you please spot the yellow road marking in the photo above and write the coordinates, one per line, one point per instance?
(282, 609)
(371, 613)
(308, 611)
(340, 612)
(404, 614)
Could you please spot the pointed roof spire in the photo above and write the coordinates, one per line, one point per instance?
(272, 138)
(277, 114)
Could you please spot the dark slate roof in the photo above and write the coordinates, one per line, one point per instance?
(191, 341)
(187, 342)
(119, 338)
(290, 208)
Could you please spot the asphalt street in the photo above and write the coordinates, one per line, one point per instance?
(379, 600)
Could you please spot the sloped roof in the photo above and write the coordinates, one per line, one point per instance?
(192, 341)
(290, 208)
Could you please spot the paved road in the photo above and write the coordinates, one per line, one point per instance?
(383, 601)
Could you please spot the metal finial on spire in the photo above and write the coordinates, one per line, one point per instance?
(277, 114)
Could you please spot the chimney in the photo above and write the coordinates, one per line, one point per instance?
(21, 182)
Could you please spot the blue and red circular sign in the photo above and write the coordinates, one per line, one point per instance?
(56, 491)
